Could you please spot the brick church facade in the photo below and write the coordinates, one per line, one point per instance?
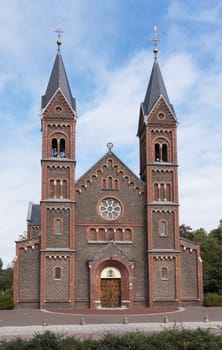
(110, 239)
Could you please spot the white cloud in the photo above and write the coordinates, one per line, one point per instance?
(192, 11)
(180, 75)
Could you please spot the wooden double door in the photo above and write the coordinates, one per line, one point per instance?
(110, 292)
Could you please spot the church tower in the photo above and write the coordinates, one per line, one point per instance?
(57, 253)
(159, 170)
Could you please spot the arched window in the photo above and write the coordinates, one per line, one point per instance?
(128, 234)
(156, 192)
(161, 152)
(54, 148)
(163, 228)
(110, 272)
(116, 184)
(52, 189)
(62, 148)
(57, 188)
(164, 152)
(164, 274)
(110, 182)
(162, 192)
(64, 189)
(58, 273)
(157, 152)
(58, 227)
(168, 192)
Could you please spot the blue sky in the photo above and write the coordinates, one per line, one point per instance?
(108, 58)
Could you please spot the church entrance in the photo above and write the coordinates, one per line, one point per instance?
(110, 292)
(110, 287)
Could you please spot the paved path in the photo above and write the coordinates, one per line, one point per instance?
(25, 323)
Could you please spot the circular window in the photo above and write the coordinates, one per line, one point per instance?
(109, 209)
(161, 115)
(58, 108)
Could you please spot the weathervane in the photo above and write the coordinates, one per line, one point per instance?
(59, 31)
(155, 38)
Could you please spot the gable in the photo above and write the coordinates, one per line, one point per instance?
(111, 249)
(109, 193)
(58, 108)
(110, 165)
(161, 115)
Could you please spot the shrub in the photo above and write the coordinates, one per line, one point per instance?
(212, 300)
(6, 301)
(174, 339)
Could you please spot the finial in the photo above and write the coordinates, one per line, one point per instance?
(155, 40)
(110, 146)
(59, 31)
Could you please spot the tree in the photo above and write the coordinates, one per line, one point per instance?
(217, 233)
(212, 266)
(6, 284)
(6, 279)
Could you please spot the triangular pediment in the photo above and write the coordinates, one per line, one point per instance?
(161, 114)
(58, 107)
(110, 163)
(112, 251)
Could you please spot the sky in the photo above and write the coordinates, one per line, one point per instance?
(108, 58)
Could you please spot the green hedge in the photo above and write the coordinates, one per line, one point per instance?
(173, 339)
(6, 301)
(212, 300)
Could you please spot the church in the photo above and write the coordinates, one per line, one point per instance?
(111, 238)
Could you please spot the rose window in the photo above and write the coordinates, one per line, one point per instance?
(110, 209)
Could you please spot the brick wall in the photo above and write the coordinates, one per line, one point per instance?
(57, 289)
(189, 273)
(29, 272)
(164, 288)
(58, 240)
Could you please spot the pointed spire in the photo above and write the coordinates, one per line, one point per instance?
(156, 87)
(58, 79)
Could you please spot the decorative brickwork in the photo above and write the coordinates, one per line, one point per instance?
(29, 277)
(110, 239)
(61, 240)
(57, 289)
(164, 288)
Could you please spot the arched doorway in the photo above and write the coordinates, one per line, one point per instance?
(110, 287)
(111, 281)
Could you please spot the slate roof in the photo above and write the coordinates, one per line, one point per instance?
(34, 214)
(58, 80)
(155, 89)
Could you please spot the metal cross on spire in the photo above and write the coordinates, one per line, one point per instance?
(59, 31)
(155, 38)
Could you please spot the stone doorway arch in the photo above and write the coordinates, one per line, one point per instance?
(110, 291)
